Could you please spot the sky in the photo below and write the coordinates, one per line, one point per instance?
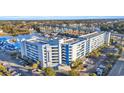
(57, 17)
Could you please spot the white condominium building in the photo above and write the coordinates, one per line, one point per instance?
(51, 52)
(72, 49)
(95, 40)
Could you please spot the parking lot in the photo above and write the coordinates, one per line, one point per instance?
(15, 64)
(91, 65)
(99, 65)
(118, 69)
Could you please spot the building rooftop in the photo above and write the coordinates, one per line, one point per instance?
(53, 42)
(65, 40)
(3, 39)
(43, 41)
(36, 41)
(70, 41)
(91, 35)
(6, 37)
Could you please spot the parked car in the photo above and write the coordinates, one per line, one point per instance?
(99, 71)
(85, 65)
(101, 66)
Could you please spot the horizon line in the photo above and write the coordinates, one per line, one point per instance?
(58, 17)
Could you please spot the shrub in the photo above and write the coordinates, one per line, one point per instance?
(92, 74)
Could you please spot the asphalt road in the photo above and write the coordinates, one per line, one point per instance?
(118, 69)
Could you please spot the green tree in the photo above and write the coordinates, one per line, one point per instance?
(74, 73)
(3, 71)
(96, 53)
(109, 66)
(35, 66)
(92, 74)
(119, 48)
(104, 28)
(49, 71)
(110, 55)
(38, 62)
(75, 64)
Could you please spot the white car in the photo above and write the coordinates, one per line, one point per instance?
(102, 66)
(100, 72)
(17, 74)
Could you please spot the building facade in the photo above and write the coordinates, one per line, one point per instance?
(62, 51)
